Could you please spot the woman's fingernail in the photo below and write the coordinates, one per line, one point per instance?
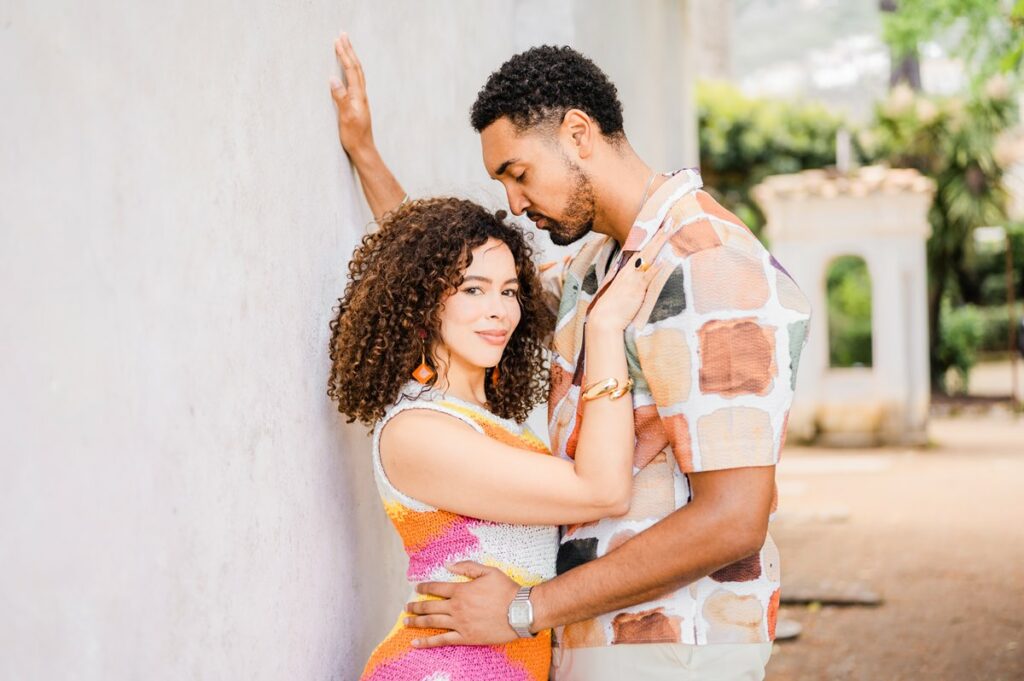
(407, 620)
(415, 643)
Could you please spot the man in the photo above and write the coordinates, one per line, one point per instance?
(687, 582)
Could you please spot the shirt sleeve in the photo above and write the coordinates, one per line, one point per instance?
(718, 345)
(552, 279)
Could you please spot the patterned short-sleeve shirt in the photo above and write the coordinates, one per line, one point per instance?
(713, 353)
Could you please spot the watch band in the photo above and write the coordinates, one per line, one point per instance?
(520, 613)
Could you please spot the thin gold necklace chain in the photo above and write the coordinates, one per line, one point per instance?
(647, 188)
(577, 377)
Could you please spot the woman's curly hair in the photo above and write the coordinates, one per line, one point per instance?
(399, 278)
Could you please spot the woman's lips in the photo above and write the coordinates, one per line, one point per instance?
(494, 337)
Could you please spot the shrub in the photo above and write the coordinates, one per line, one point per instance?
(969, 330)
(958, 342)
(744, 140)
(849, 312)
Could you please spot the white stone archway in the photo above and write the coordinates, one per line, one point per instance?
(880, 215)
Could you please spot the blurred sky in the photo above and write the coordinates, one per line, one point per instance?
(826, 50)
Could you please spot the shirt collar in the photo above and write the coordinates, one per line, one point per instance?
(652, 214)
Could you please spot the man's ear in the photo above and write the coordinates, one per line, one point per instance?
(579, 131)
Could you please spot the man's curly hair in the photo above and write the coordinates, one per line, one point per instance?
(399, 278)
(541, 84)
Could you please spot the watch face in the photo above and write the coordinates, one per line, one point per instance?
(519, 614)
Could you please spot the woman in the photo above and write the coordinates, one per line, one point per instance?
(438, 344)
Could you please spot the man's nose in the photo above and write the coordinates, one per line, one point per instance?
(517, 202)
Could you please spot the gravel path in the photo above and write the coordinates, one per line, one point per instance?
(939, 532)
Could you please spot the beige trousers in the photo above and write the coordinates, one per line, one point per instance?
(657, 661)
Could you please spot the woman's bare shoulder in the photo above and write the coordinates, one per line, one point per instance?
(422, 426)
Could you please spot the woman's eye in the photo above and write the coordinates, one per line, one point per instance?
(472, 290)
(511, 292)
(520, 176)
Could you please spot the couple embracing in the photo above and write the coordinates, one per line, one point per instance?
(667, 350)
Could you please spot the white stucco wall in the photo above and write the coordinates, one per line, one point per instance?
(178, 498)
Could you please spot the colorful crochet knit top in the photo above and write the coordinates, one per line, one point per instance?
(433, 538)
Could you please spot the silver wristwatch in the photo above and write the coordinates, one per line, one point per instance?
(520, 613)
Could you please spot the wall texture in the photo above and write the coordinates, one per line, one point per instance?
(178, 498)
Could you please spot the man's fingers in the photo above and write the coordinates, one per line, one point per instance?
(432, 607)
(451, 638)
(430, 622)
(468, 568)
(441, 589)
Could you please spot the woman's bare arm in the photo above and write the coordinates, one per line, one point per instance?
(437, 459)
(382, 190)
(442, 461)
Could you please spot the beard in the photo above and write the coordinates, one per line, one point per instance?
(578, 218)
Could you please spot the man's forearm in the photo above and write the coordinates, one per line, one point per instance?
(381, 188)
(688, 544)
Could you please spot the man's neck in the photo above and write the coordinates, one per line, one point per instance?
(618, 191)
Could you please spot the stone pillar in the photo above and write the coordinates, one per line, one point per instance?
(880, 215)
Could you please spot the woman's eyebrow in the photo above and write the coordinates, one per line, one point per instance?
(477, 277)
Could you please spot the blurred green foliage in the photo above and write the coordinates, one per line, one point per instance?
(848, 285)
(967, 332)
(953, 140)
(987, 34)
(957, 348)
(982, 279)
(744, 140)
(993, 322)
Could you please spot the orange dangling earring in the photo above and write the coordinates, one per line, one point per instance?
(496, 374)
(424, 373)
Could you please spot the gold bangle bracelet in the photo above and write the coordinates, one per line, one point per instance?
(609, 386)
(616, 394)
(599, 389)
